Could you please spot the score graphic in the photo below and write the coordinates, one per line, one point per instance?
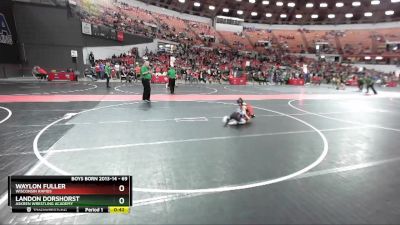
(82, 194)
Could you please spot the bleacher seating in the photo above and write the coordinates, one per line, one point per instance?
(290, 39)
(140, 21)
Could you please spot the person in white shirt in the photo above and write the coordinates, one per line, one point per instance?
(117, 69)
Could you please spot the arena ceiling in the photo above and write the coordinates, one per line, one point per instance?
(290, 11)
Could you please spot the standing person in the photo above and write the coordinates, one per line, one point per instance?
(172, 77)
(360, 82)
(117, 69)
(91, 59)
(107, 73)
(97, 69)
(137, 71)
(102, 67)
(370, 84)
(146, 77)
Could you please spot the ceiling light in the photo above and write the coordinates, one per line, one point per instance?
(309, 5)
(197, 4)
(395, 1)
(283, 15)
(323, 5)
(356, 4)
(314, 16)
(375, 2)
(254, 13)
(379, 58)
(252, 1)
(389, 12)
(265, 2)
(331, 16)
(239, 12)
(225, 10)
(211, 7)
(182, 1)
(339, 4)
(368, 14)
(299, 16)
(291, 4)
(349, 15)
(367, 57)
(279, 3)
(268, 15)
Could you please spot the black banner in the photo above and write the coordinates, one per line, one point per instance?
(104, 32)
(8, 34)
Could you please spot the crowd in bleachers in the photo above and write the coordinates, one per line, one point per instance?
(214, 65)
(131, 19)
(226, 53)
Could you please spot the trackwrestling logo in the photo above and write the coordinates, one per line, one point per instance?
(5, 32)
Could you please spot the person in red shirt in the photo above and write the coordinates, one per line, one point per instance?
(97, 69)
(39, 72)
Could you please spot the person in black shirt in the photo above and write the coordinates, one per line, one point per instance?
(91, 59)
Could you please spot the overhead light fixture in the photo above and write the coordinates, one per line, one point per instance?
(323, 5)
(239, 12)
(379, 58)
(349, 15)
(331, 16)
(339, 4)
(252, 1)
(225, 10)
(268, 15)
(375, 2)
(197, 4)
(395, 1)
(254, 13)
(367, 57)
(182, 1)
(314, 16)
(368, 14)
(283, 15)
(291, 4)
(299, 16)
(265, 2)
(389, 12)
(356, 4)
(279, 3)
(309, 5)
(211, 7)
(322, 57)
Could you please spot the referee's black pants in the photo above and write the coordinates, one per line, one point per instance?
(171, 84)
(372, 87)
(108, 81)
(146, 89)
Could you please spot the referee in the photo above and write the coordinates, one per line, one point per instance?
(146, 77)
(172, 77)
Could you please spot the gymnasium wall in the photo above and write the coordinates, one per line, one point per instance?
(8, 35)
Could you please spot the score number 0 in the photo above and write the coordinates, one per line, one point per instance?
(121, 188)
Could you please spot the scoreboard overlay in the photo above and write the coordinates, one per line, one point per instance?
(62, 194)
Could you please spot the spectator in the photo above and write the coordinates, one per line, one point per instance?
(91, 59)
(39, 72)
